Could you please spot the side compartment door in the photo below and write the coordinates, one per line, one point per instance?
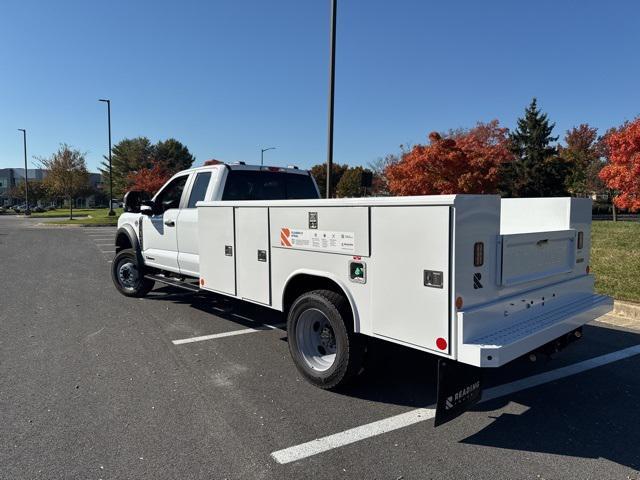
(253, 257)
(160, 241)
(216, 242)
(410, 276)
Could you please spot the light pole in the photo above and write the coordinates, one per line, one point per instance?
(262, 150)
(332, 81)
(26, 172)
(108, 102)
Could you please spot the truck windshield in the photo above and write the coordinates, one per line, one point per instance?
(264, 185)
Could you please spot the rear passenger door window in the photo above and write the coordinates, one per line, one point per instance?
(253, 185)
(199, 189)
(300, 186)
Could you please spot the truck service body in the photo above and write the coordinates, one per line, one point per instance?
(474, 279)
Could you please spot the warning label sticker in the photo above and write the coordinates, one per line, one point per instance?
(324, 240)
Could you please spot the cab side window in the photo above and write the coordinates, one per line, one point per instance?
(254, 185)
(199, 188)
(170, 196)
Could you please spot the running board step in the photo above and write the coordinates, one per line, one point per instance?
(174, 282)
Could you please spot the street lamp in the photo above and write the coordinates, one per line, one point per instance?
(108, 102)
(26, 172)
(332, 81)
(262, 150)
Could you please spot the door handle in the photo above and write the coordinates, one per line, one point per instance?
(170, 223)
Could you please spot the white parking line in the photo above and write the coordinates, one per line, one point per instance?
(104, 244)
(232, 333)
(347, 437)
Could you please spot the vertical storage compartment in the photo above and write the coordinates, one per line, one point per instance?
(253, 255)
(409, 275)
(217, 249)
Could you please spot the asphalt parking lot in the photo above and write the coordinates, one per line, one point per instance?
(177, 385)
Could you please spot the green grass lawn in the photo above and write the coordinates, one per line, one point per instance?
(98, 216)
(615, 259)
(64, 212)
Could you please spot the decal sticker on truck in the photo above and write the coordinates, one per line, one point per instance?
(324, 240)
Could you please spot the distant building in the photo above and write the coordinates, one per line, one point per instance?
(12, 177)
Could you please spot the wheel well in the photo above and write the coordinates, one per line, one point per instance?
(123, 242)
(302, 283)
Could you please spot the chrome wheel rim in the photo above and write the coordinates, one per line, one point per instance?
(128, 274)
(316, 340)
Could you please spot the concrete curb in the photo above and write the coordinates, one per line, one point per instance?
(624, 314)
(626, 309)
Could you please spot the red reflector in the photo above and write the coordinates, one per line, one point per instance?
(202, 281)
(357, 258)
(441, 343)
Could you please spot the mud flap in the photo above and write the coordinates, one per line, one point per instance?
(459, 388)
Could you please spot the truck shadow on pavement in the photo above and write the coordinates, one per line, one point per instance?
(590, 415)
(594, 414)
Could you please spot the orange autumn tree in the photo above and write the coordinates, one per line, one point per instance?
(622, 173)
(149, 180)
(466, 161)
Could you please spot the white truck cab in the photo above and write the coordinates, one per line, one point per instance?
(474, 279)
(168, 234)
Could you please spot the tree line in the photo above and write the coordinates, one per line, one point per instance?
(485, 159)
(525, 162)
(137, 165)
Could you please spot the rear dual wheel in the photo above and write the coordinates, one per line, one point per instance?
(323, 345)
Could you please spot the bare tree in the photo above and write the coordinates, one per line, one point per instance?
(67, 174)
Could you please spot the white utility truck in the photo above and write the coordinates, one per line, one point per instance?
(475, 279)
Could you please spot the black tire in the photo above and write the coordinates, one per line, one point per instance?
(348, 347)
(128, 275)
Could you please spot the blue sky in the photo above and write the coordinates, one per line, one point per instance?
(229, 77)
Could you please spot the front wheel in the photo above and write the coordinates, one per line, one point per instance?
(128, 275)
(323, 345)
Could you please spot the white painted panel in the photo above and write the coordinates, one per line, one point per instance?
(160, 241)
(406, 242)
(252, 236)
(187, 228)
(337, 230)
(533, 256)
(215, 235)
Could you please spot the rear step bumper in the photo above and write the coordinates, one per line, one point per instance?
(519, 333)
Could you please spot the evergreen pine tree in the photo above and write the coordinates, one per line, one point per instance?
(537, 170)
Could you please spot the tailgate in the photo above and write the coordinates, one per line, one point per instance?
(525, 257)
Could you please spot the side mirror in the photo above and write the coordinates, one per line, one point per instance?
(146, 210)
(147, 207)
